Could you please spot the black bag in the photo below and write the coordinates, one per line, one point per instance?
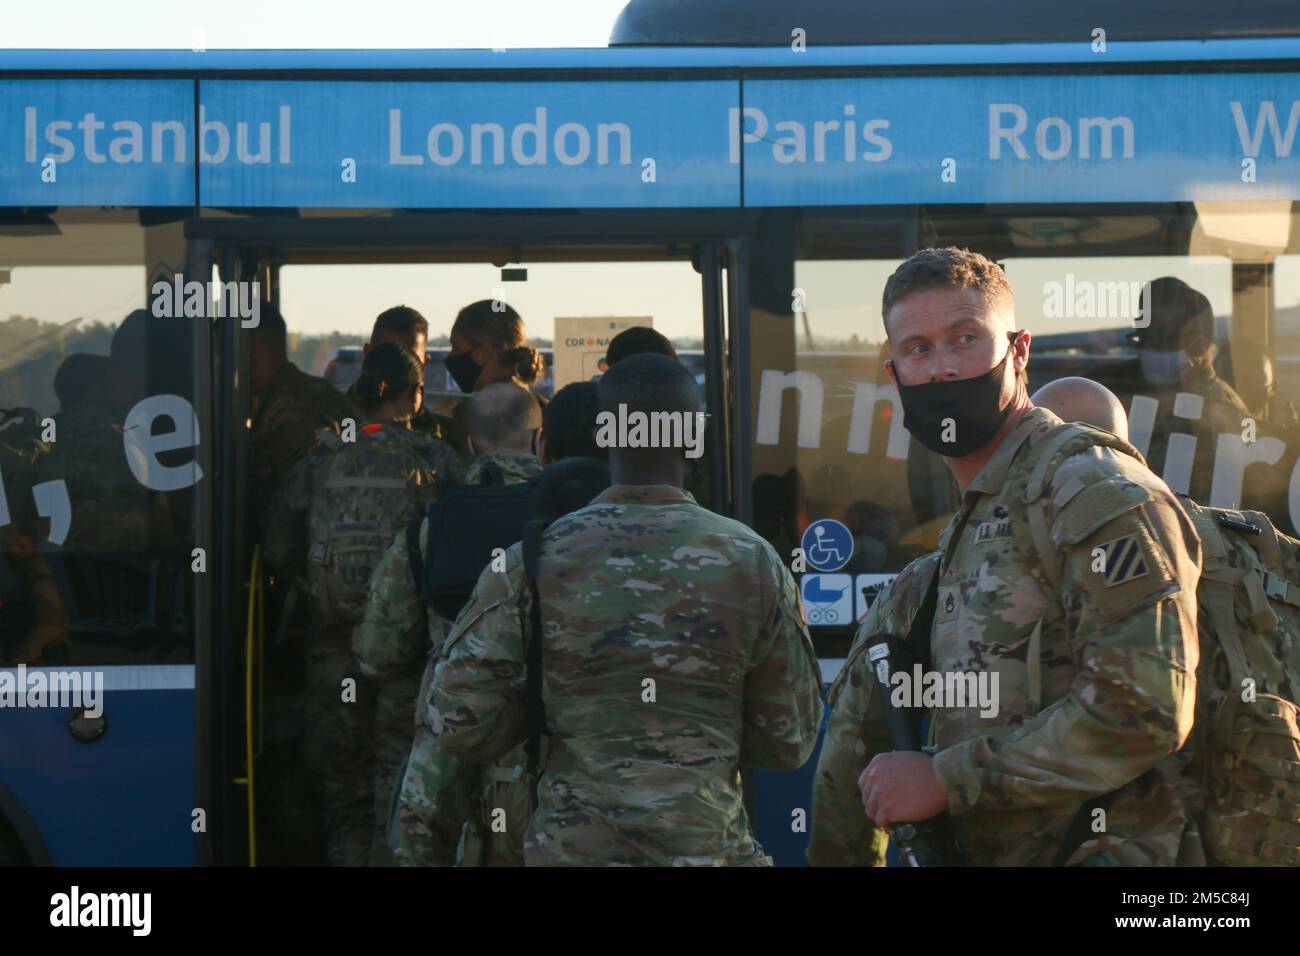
(466, 525)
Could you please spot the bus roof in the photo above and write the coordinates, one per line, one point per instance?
(816, 56)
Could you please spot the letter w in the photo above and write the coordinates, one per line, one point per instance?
(1267, 118)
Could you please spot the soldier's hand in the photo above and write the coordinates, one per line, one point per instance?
(901, 787)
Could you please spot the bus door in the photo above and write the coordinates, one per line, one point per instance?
(330, 285)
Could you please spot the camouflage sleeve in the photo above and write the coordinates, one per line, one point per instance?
(477, 701)
(783, 702)
(1131, 564)
(284, 538)
(286, 435)
(390, 640)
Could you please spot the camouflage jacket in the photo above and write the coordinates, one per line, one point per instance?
(438, 792)
(1113, 695)
(288, 416)
(310, 511)
(390, 641)
(842, 833)
(676, 652)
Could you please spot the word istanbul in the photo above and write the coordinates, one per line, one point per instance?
(195, 300)
(651, 430)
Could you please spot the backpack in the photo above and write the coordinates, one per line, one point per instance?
(466, 526)
(1245, 746)
(364, 493)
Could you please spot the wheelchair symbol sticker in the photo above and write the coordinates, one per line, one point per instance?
(827, 599)
(827, 545)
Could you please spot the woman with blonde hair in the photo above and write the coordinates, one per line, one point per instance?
(489, 344)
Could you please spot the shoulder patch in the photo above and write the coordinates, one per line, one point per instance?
(1123, 560)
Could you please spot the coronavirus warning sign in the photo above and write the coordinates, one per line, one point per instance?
(580, 345)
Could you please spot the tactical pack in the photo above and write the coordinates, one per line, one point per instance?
(1245, 747)
(465, 526)
(366, 492)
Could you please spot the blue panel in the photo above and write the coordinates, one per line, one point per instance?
(538, 145)
(114, 142)
(778, 57)
(124, 800)
(1021, 139)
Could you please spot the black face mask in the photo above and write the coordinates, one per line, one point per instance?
(464, 370)
(965, 410)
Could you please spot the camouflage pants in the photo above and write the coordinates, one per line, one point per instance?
(392, 735)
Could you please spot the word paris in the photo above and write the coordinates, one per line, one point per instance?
(196, 300)
(651, 430)
(950, 689)
(60, 689)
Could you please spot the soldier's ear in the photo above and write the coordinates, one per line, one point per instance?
(469, 443)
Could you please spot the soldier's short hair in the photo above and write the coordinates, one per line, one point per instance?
(501, 414)
(638, 340)
(569, 423)
(947, 268)
(649, 383)
(271, 328)
(399, 320)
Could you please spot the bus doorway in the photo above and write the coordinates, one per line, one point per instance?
(572, 300)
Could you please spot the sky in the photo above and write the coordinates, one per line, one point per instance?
(308, 24)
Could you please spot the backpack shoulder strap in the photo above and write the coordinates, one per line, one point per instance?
(1040, 478)
(535, 719)
(414, 556)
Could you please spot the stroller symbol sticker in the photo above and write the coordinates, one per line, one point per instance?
(827, 544)
(827, 599)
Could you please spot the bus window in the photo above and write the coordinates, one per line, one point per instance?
(97, 445)
(1205, 372)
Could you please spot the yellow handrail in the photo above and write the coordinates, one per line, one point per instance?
(252, 655)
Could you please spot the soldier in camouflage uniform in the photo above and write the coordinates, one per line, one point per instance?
(1176, 354)
(440, 792)
(842, 834)
(1096, 679)
(292, 407)
(407, 327)
(675, 653)
(341, 508)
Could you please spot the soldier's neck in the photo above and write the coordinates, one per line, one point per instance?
(624, 473)
(965, 469)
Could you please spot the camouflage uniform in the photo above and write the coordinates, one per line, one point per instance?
(641, 585)
(1117, 653)
(437, 790)
(360, 744)
(842, 833)
(294, 406)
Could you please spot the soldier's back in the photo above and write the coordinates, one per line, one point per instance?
(660, 619)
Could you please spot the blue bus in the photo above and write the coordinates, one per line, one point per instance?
(744, 181)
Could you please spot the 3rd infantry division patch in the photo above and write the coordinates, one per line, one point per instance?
(1124, 560)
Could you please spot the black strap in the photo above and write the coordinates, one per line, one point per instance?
(535, 714)
(918, 635)
(492, 474)
(414, 555)
(1081, 826)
